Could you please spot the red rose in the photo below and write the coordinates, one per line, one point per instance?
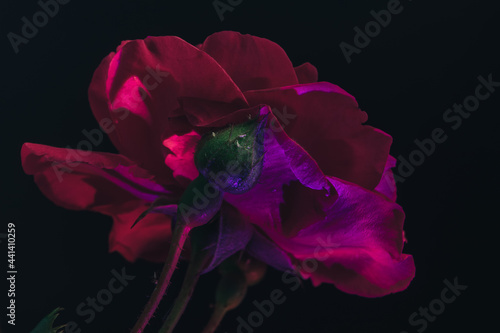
(326, 190)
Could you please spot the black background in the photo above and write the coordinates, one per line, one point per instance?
(424, 61)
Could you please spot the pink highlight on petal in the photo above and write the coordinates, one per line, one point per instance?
(131, 96)
(113, 67)
(182, 144)
(319, 86)
(181, 160)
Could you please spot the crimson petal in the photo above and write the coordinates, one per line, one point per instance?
(306, 73)
(139, 89)
(76, 179)
(106, 183)
(252, 62)
(148, 240)
(387, 184)
(326, 121)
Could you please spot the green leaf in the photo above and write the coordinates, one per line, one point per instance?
(47, 323)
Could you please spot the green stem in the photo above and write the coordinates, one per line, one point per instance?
(215, 319)
(179, 237)
(192, 274)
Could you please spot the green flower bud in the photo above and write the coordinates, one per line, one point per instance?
(232, 158)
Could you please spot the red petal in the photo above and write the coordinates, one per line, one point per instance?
(252, 62)
(106, 183)
(79, 180)
(306, 73)
(387, 184)
(148, 240)
(141, 87)
(327, 123)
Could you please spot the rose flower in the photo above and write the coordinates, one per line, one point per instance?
(325, 191)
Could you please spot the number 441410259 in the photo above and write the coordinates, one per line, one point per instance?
(11, 245)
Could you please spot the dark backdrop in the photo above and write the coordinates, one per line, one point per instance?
(424, 61)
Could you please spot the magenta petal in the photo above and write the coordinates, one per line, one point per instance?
(326, 87)
(367, 273)
(360, 218)
(284, 162)
(359, 244)
(268, 252)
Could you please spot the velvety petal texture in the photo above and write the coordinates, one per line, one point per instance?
(141, 87)
(284, 162)
(326, 121)
(252, 62)
(326, 190)
(387, 184)
(306, 73)
(77, 179)
(149, 240)
(106, 183)
(358, 245)
(231, 233)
